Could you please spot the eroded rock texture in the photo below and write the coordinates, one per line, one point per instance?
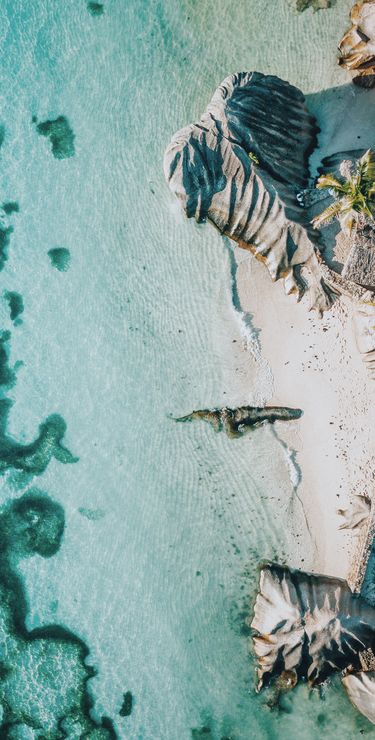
(360, 688)
(237, 421)
(240, 167)
(357, 47)
(364, 327)
(310, 627)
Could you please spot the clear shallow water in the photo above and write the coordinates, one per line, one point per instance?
(159, 580)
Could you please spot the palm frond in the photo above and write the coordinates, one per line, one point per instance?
(354, 193)
(348, 219)
(366, 167)
(331, 182)
(327, 215)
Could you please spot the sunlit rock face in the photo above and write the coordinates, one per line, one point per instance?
(309, 626)
(360, 688)
(364, 327)
(357, 47)
(240, 168)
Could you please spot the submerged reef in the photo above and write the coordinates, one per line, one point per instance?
(302, 5)
(237, 421)
(60, 135)
(309, 627)
(15, 303)
(10, 207)
(33, 458)
(357, 46)
(127, 705)
(44, 675)
(8, 374)
(60, 258)
(240, 166)
(6, 230)
(95, 8)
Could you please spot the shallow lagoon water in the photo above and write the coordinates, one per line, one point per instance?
(140, 327)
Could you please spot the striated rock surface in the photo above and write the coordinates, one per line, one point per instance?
(364, 328)
(312, 626)
(240, 168)
(360, 688)
(357, 47)
(237, 421)
(360, 264)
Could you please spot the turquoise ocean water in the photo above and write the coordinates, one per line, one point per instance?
(164, 523)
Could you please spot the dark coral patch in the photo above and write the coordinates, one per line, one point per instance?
(11, 207)
(33, 458)
(8, 374)
(60, 258)
(15, 303)
(95, 8)
(127, 705)
(302, 5)
(5, 232)
(32, 524)
(43, 674)
(60, 135)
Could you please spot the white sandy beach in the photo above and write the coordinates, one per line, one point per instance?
(316, 367)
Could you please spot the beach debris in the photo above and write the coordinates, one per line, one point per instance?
(357, 45)
(310, 627)
(237, 421)
(357, 514)
(253, 201)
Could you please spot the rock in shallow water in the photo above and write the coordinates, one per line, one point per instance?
(312, 626)
(236, 421)
(240, 167)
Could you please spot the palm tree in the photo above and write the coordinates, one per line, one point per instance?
(354, 194)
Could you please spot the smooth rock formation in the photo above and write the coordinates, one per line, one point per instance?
(237, 421)
(357, 47)
(357, 514)
(240, 168)
(310, 626)
(364, 328)
(360, 688)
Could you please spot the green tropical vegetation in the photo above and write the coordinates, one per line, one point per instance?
(354, 194)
